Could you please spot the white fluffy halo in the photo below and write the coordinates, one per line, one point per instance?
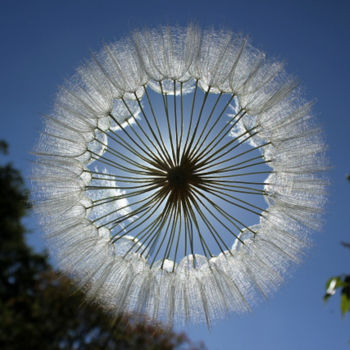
(177, 176)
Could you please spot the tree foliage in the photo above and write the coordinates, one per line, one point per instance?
(41, 309)
(342, 283)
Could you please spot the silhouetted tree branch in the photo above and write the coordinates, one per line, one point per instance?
(42, 309)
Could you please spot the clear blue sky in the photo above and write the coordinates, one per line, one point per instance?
(42, 42)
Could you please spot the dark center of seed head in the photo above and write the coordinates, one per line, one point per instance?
(179, 177)
(180, 180)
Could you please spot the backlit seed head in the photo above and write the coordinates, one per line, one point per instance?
(178, 174)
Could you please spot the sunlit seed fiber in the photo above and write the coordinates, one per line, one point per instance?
(178, 174)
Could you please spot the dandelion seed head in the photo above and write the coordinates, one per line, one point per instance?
(178, 175)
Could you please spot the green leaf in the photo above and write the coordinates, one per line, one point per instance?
(329, 281)
(344, 304)
(333, 283)
(336, 282)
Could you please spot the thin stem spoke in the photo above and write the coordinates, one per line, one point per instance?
(233, 220)
(238, 175)
(158, 128)
(156, 204)
(179, 220)
(144, 149)
(201, 146)
(123, 143)
(225, 130)
(114, 164)
(132, 213)
(181, 118)
(165, 155)
(143, 132)
(241, 154)
(110, 199)
(210, 227)
(229, 217)
(192, 214)
(234, 167)
(199, 117)
(191, 118)
(233, 189)
(101, 178)
(169, 214)
(152, 231)
(217, 193)
(194, 149)
(123, 156)
(219, 155)
(166, 110)
(176, 125)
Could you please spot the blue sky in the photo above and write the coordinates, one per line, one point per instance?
(42, 42)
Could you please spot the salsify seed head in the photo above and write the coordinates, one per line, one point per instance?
(178, 174)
